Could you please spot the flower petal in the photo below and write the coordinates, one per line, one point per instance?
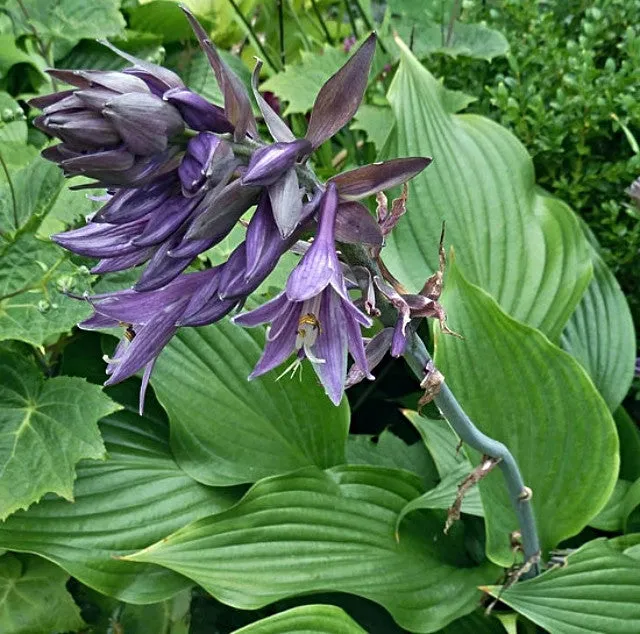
(369, 179)
(279, 348)
(319, 266)
(286, 203)
(197, 112)
(279, 129)
(331, 345)
(263, 314)
(340, 97)
(269, 163)
(374, 351)
(355, 225)
(237, 106)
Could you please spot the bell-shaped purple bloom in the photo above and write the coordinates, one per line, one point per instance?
(314, 317)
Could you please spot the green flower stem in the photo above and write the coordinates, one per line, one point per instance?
(418, 357)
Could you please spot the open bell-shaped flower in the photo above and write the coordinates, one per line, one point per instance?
(314, 317)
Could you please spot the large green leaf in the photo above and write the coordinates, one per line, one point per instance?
(314, 531)
(611, 517)
(629, 445)
(33, 597)
(306, 619)
(227, 430)
(135, 497)
(46, 427)
(522, 390)
(34, 277)
(13, 126)
(524, 248)
(597, 591)
(600, 334)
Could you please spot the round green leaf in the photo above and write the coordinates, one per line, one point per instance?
(315, 531)
(597, 591)
(226, 430)
(306, 619)
(135, 497)
(522, 390)
(523, 247)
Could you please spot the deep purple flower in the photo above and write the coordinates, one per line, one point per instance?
(113, 127)
(314, 317)
(197, 112)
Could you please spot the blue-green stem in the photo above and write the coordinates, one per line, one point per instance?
(418, 357)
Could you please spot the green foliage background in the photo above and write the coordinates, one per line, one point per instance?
(259, 507)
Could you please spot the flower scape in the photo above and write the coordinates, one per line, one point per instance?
(181, 172)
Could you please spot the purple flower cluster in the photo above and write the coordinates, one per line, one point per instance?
(180, 173)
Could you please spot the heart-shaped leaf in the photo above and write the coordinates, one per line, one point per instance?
(226, 430)
(132, 499)
(525, 248)
(522, 390)
(314, 531)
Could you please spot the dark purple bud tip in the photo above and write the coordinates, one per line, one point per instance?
(197, 112)
(269, 163)
(195, 166)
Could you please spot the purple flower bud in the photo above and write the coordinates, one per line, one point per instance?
(269, 163)
(114, 81)
(197, 112)
(144, 121)
(205, 162)
(374, 351)
(80, 129)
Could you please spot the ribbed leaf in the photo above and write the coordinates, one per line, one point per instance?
(227, 430)
(601, 336)
(597, 591)
(135, 497)
(315, 531)
(307, 619)
(611, 517)
(524, 248)
(46, 427)
(537, 399)
(629, 435)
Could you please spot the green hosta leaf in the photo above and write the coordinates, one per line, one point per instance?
(631, 512)
(298, 85)
(34, 275)
(33, 597)
(306, 619)
(46, 427)
(601, 336)
(444, 495)
(629, 445)
(227, 430)
(10, 55)
(476, 623)
(611, 517)
(312, 531)
(524, 248)
(452, 464)
(132, 499)
(597, 591)
(535, 398)
(390, 451)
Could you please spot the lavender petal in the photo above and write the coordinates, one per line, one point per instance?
(286, 203)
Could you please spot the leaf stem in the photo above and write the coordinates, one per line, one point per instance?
(452, 20)
(251, 34)
(14, 202)
(417, 357)
(369, 25)
(352, 18)
(281, 31)
(323, 24)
